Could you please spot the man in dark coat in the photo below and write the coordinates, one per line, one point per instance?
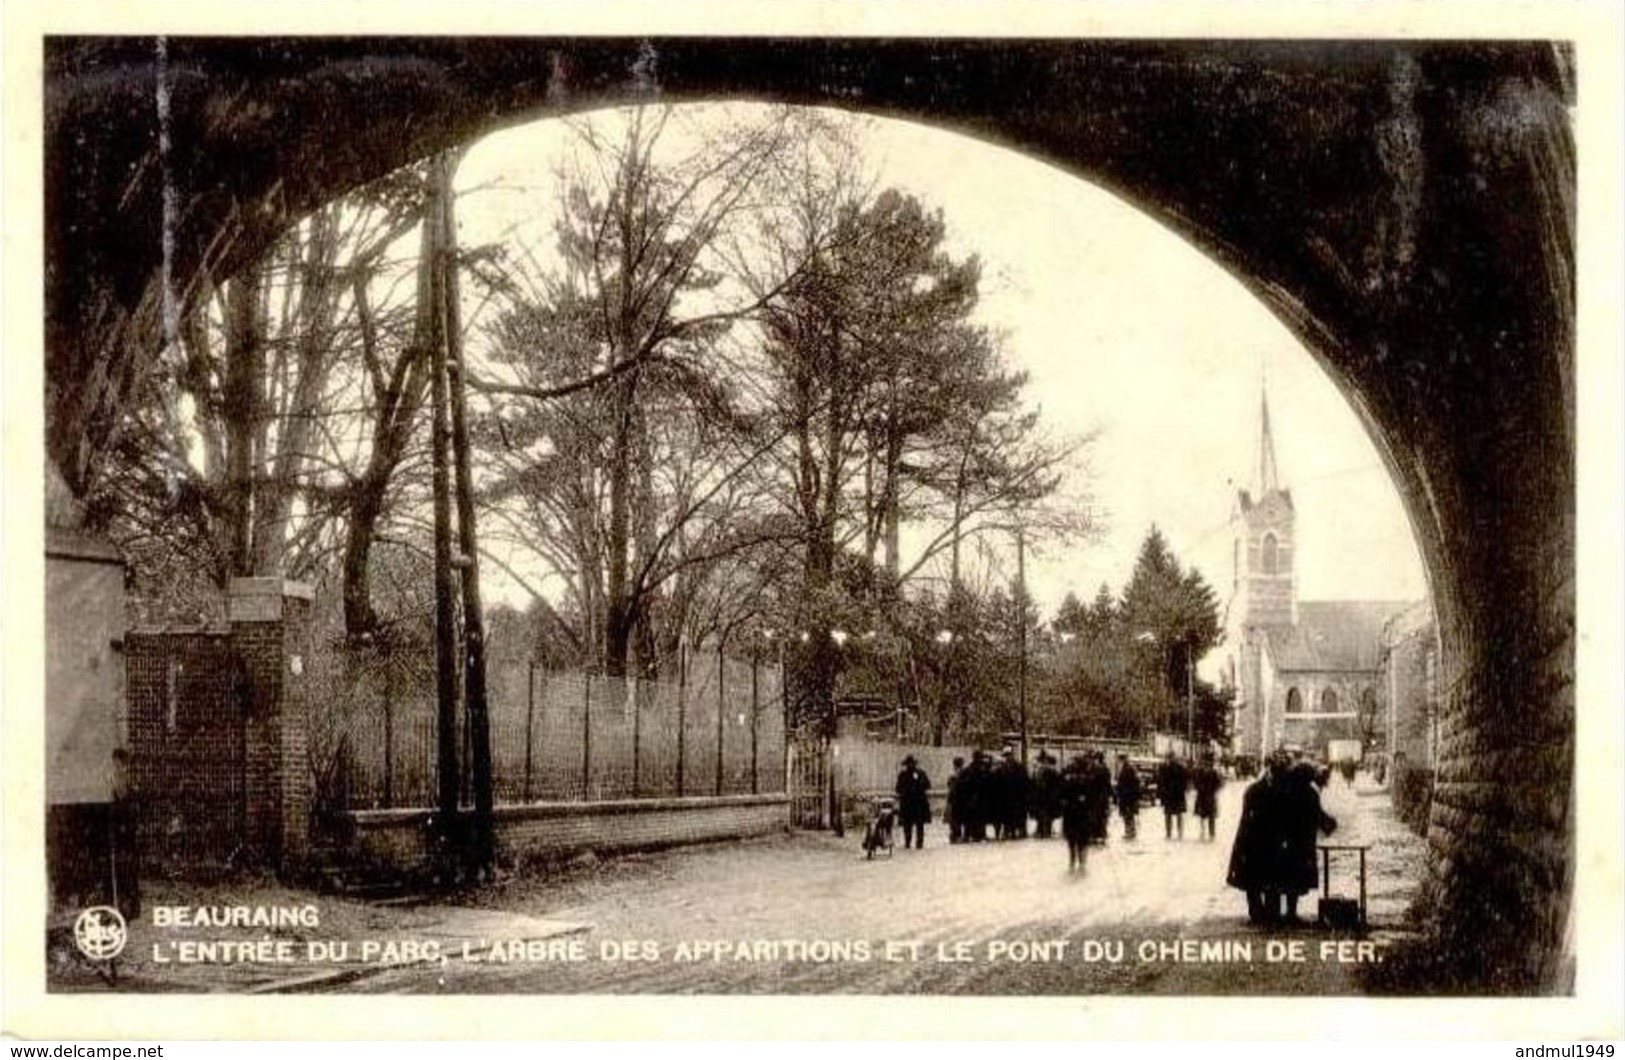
(1302, 822)
(956, 802)
(1075, 813)
(1128, 796)
(1255, 855)
(1205, 780)
(1098, 796)
(913, 803)
(1046, 799)
(974, 797)
(1172, 781)
(1012, 818)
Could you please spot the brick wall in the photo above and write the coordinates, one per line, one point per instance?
(218, 733)
(271, 638)
(186, 742)
(400, 840)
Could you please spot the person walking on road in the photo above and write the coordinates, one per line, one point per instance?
(1012, 786)
(1205, 780)
(975, 795)
(956, 802)
(1128, 796)
(1075, 824)
(1046, 792)
(913, 803)
(1172, 781)
(1099, 797)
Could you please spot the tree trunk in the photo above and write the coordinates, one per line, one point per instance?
(304, 381)
(399, 401)
(243, 413)
(618, 616)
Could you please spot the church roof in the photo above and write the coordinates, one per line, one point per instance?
(1334, 635)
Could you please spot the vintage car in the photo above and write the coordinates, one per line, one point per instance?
(1146, 766)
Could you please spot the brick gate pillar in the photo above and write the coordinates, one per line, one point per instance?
(270, 633)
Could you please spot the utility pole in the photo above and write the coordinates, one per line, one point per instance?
(1021, 635)
(1190, 702)
(445, 619)
(475, 700)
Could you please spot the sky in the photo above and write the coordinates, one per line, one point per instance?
(1127, 331)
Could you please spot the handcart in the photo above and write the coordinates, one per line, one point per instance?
(1339, 911)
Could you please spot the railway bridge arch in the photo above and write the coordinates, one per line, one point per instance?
(1405, 207)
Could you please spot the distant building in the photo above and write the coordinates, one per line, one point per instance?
(1410, 681)
(1305, 672)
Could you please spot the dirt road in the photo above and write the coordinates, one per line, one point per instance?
(806, 913)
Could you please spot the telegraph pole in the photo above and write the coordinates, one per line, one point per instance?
(1190, 701)
(475, 700)
(445, 618)
(1021, 634)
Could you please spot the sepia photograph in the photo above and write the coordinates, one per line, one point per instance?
(900, 516)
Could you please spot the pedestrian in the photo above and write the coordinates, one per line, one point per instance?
(1013, 794)
(956, 800)
(1128, 796)
(1099, 796)
(1075, 825)
(1302, 821)
(1205, 781)
(913, 803)
(1256, 852)
(1172, 780)
(975, 786)
(1046, 795)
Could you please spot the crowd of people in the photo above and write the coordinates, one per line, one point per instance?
(1272, 859)
(994, 800)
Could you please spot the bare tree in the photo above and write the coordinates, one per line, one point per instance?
(630, 326)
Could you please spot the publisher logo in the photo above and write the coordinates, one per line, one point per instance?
(99, 932)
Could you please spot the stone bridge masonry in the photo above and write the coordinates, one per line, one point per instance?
(1405, 207)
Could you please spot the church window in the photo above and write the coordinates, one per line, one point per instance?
(1328, 701)
(1294, 701)
(1269, 558)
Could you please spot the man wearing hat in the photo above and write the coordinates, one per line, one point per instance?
(913, 803)
(975, 794)
(1011, 785)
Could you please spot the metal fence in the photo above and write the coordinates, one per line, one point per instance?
(555, 736)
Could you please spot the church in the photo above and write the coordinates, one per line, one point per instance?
(1304, 672)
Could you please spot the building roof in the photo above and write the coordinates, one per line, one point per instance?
(1417, 618)
(63, 543)
(1334, 635)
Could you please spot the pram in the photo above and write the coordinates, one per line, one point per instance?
(880, 833)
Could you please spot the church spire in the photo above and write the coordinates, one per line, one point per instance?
(1268, 474)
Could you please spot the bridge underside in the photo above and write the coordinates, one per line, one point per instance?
(1405, 207)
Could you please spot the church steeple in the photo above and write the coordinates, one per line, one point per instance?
(1265, 541)
(1268, 473)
